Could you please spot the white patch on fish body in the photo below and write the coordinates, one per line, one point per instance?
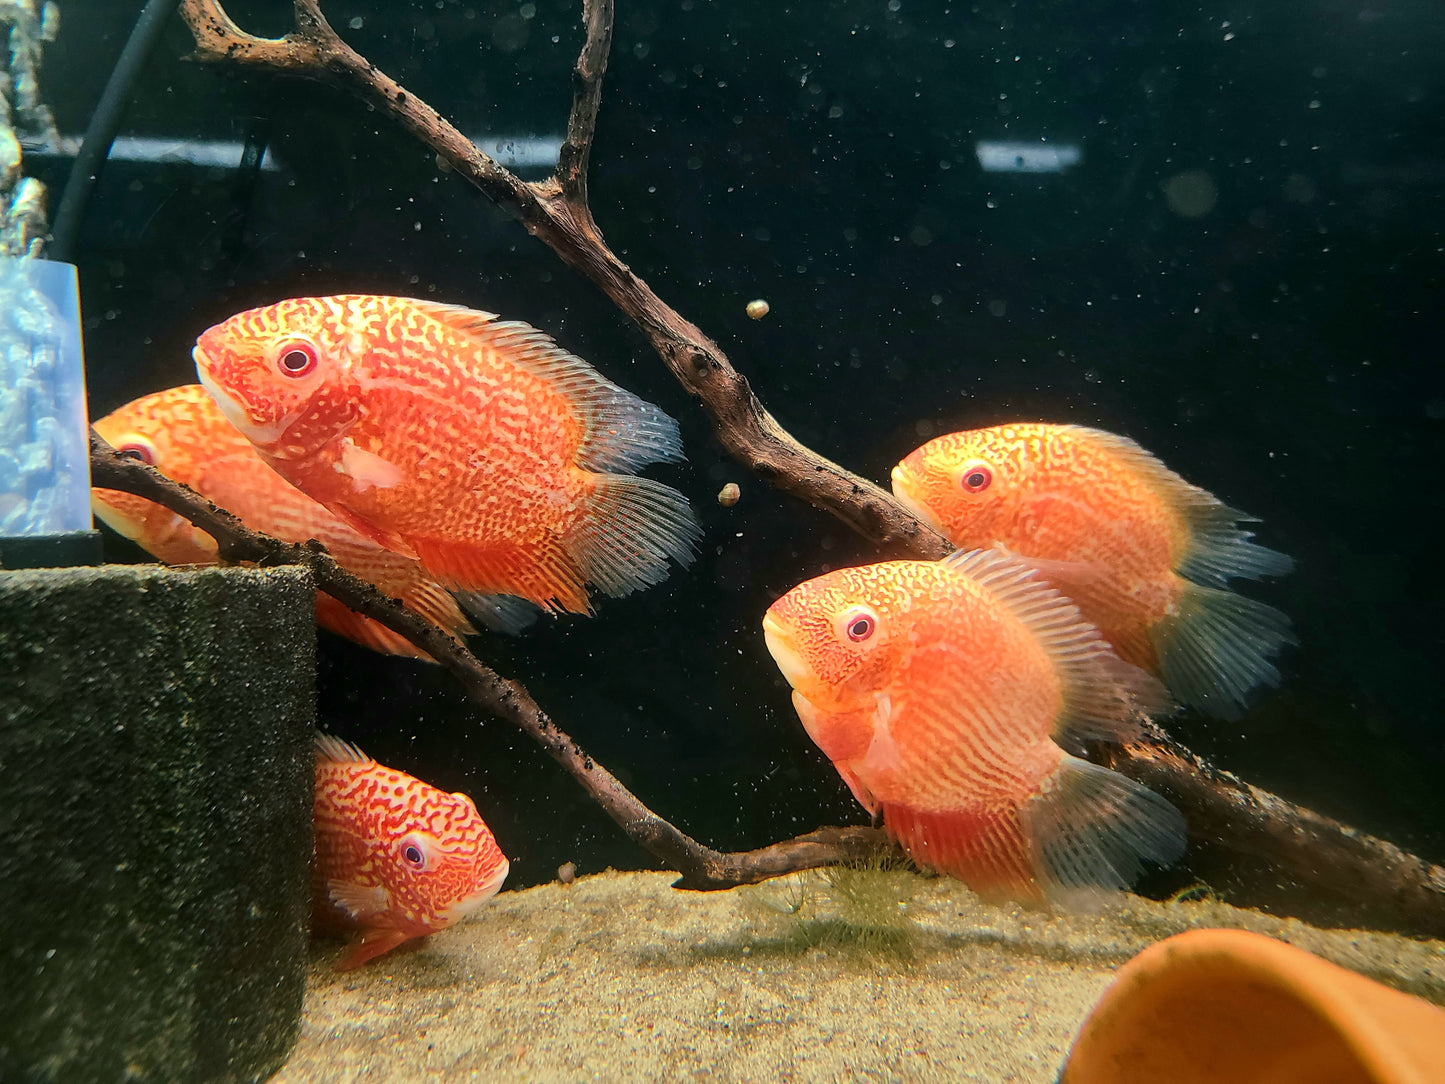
(882, 755)
(367, 469)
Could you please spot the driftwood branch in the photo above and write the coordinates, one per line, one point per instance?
(701, 867)
(1381, 883)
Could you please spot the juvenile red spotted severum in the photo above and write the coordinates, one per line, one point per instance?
(396, 858)
(948, 695)
(475, 445)
(183, 434)
(1146, 555)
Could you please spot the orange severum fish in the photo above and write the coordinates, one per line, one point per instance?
(183, 435)
(395, 857)
(475, 445)
(945, 693)
(1146, 555)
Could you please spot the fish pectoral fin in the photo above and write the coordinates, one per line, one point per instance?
(361, 902)
(386, 539)
(370, 945)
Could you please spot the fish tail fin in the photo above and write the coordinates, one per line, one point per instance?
(988, 851)
(1090, 830)
(1103, 696)
(538, 570)
(632, 528)
(1217, 647)
(500, 613)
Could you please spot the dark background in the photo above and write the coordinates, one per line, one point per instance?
(1281, 349)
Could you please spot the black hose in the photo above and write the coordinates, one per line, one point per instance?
(100, 134)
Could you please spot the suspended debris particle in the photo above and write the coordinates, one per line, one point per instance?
(729, 494)
(758, 309)
(567, 872)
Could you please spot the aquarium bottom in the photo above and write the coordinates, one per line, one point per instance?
(858, 975)
(51, 550)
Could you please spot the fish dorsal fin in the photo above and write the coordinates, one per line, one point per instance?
(359, 901)
(623, 432)
(1104, 697)
(333, 749)
(1219, 549)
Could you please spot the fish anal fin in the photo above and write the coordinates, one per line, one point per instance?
(500, 612)
(1103, 696)
(1090, 830)
(539, 570)
(373, 943)
(632, 528)
(985, 849)
(1217, 646)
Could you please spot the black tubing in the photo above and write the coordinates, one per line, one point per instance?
(100, 134)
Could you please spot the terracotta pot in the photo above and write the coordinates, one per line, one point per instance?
(1221, 1006)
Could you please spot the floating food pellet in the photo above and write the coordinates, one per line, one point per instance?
(567, 872)
(758, 309)
(729, 494)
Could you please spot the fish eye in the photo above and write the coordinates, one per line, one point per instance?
(297, 359)
(138, 449)
(976, 478)
(413, 854)
(858, 624)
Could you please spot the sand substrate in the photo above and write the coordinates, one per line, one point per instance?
(874, 976)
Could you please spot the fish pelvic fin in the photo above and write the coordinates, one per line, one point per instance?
(362, 630)
(1104, 697)
(632, 528)
(1091, 829)
(373, 943)
(986, 850)
(1217, 646)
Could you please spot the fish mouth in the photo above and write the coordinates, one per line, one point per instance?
(910, 502)
(236, 414)
(485, 891)
(789, 661)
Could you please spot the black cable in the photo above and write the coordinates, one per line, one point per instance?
(100, 134)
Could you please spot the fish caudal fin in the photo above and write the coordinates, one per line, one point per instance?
(1104, 697)
(1090, 830)
(989, 852)
(633, 526)
(1217, 646)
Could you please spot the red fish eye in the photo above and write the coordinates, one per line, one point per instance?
(298, 359)
(860, 628)
(141, 452)
(977, 479)
(413, 854)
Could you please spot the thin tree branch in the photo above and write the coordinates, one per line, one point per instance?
(547, 210)
(1387, 886)
(700, 867)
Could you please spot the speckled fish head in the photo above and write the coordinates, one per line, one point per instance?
(282, 374)
(438, 860)
(168, 430)
(839, 638)
(962, 484)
